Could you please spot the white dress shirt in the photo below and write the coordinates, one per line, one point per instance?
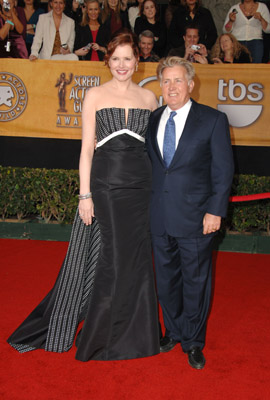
(179, 120)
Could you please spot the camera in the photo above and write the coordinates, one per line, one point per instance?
(81, 2)
(6, 5)
(7, 46)
(195, 47)
(64, 46)
(88, 46)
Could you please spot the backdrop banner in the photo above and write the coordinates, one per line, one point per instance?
(44, 98)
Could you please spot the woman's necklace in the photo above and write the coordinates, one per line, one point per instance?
(94, 25)
(249, 11)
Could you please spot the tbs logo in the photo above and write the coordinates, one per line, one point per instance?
(243, 114)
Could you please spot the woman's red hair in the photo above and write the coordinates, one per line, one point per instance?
(120, 38)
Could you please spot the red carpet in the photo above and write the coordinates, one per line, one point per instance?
(237, 349)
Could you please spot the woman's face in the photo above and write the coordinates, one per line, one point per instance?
(58, 7)
(113, 4)
(93, 10)
(122, 62)
(28, 2)
(191, 3)
(226, 43)
(149, 9)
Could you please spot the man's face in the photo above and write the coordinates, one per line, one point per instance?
(191, 37)
(146, 45)
(175, 87)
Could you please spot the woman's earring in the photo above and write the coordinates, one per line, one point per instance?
(136, 67)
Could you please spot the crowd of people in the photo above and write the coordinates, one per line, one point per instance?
(81, 30)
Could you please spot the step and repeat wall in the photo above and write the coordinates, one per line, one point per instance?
(43, 99)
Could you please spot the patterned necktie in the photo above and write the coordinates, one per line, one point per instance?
(169, 140)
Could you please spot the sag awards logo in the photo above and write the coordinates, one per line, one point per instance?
(148, 80)
(13, 96)
(70, 105)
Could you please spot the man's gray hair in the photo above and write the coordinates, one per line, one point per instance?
(146, 33)
(173, 61)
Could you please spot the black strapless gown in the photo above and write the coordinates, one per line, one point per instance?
(107, 277)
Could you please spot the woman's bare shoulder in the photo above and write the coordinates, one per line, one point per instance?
(148, 98)
(94, 94)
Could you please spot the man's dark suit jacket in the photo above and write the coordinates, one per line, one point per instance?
(199, 178)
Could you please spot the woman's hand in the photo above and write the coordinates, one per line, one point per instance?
(30, 29)
(82, 51)
(217, 60)
(257, 15)
(97, 47)
(32, 57)
(86, 211)
(64, 51)
(232, 16)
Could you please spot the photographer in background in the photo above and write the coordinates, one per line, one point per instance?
(191, 50)
(12, 44)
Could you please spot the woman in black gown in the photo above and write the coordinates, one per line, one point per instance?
(110, 238)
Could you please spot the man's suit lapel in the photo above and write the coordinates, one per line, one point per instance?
(191, 126)
(154, 131)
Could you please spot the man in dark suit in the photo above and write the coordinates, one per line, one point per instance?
(190, 149)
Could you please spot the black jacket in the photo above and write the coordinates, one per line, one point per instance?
(203, 19)
(158, 29)
(84, 36)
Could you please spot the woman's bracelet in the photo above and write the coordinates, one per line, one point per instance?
(85, 196)
(9, 22)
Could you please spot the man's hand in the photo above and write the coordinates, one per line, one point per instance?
(203, 50)
(200, 59)
(189, 52)
(211, 223)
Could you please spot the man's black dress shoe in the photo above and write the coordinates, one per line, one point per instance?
(196, 358)
(167, 344)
